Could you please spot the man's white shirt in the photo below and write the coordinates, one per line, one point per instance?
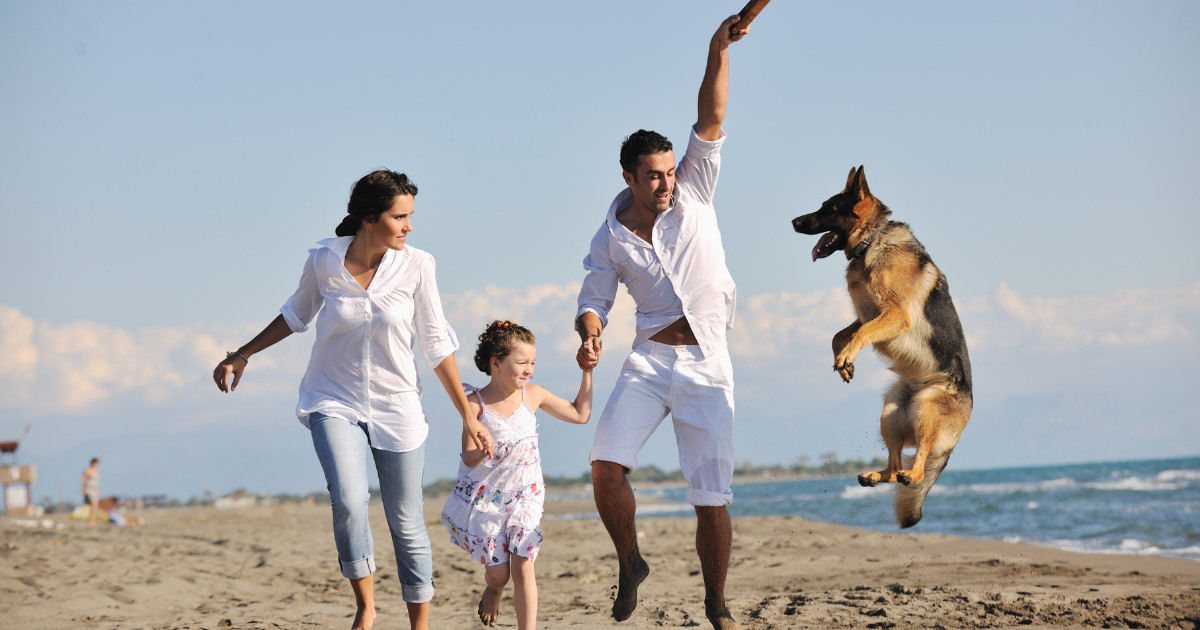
(683, 272)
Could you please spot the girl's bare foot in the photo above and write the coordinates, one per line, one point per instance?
(489, 606)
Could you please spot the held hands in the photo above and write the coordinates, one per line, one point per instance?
(479, 435)
(588, 355)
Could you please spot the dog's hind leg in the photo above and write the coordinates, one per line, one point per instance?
(935, 417)
(925, 445)
(892, 423)
(926, 423)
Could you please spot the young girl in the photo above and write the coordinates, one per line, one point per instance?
(496, 506)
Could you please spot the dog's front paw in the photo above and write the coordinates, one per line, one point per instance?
(846, 371)
(904, 477)
(843, 363)
(868, 480)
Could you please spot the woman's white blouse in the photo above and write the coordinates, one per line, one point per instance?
(363, 364)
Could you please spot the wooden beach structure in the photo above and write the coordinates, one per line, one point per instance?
(17, 482)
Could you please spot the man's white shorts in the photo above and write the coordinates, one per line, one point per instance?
(658, 379)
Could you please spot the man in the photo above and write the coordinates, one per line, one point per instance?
(660, 239)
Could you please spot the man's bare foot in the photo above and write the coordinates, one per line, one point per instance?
(489, 606)
(627, 586)
(364, 619)
(718, 615)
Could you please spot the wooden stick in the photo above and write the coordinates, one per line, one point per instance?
(748, 13)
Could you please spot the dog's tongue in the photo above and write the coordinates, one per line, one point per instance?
(825, 240)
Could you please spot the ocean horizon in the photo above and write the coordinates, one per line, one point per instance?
(1143, 507)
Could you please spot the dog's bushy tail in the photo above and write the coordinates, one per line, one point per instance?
(909, 499)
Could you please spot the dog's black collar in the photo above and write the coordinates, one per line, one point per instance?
(861, 248)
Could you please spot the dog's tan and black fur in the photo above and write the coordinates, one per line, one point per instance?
(904, 310)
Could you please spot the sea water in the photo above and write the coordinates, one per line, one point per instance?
(1138, 507)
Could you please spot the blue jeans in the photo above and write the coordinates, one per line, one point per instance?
(342, 447)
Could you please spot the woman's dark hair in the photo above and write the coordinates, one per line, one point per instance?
(498, 341)
(373, 195)
(639, 143)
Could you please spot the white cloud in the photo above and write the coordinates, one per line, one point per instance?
(547, 310)
(75, 366)
(770, 326)
(1128, 318)
(18, 355)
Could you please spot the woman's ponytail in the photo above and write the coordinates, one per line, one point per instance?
(348, 227)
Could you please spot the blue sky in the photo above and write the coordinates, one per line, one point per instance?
(165, 166)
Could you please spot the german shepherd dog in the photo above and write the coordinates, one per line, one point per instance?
(904, 310)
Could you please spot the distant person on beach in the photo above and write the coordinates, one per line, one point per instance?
(660, 239)
(496, 507)
(375, 301)
(91, 489)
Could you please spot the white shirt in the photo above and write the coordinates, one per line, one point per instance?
(683, 272)
(363, 365)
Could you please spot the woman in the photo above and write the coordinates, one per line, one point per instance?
(91, 489)
(375, 300)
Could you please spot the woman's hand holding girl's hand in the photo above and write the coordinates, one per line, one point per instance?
(479, 434)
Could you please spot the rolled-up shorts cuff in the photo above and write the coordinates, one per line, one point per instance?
(358, 569)
(616, 456)
(705, 498)
(417, 594)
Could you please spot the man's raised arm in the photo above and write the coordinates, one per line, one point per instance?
(714, 90)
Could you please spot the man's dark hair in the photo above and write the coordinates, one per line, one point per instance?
(639, 143)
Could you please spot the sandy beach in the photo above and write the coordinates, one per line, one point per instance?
(275, 567)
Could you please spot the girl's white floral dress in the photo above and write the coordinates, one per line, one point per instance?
(496, 507)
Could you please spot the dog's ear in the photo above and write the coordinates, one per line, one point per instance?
(858, 183)
(849, 180)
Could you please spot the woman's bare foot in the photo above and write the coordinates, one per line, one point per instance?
(364, 598)
(489, 606)
(364, 619)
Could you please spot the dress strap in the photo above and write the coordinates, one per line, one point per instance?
(471, 389)
(531, 410)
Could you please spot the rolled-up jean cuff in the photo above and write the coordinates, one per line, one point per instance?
(359, 568)
(416, 594)
(708, 499)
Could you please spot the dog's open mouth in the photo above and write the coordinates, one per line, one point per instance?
(828, 243)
